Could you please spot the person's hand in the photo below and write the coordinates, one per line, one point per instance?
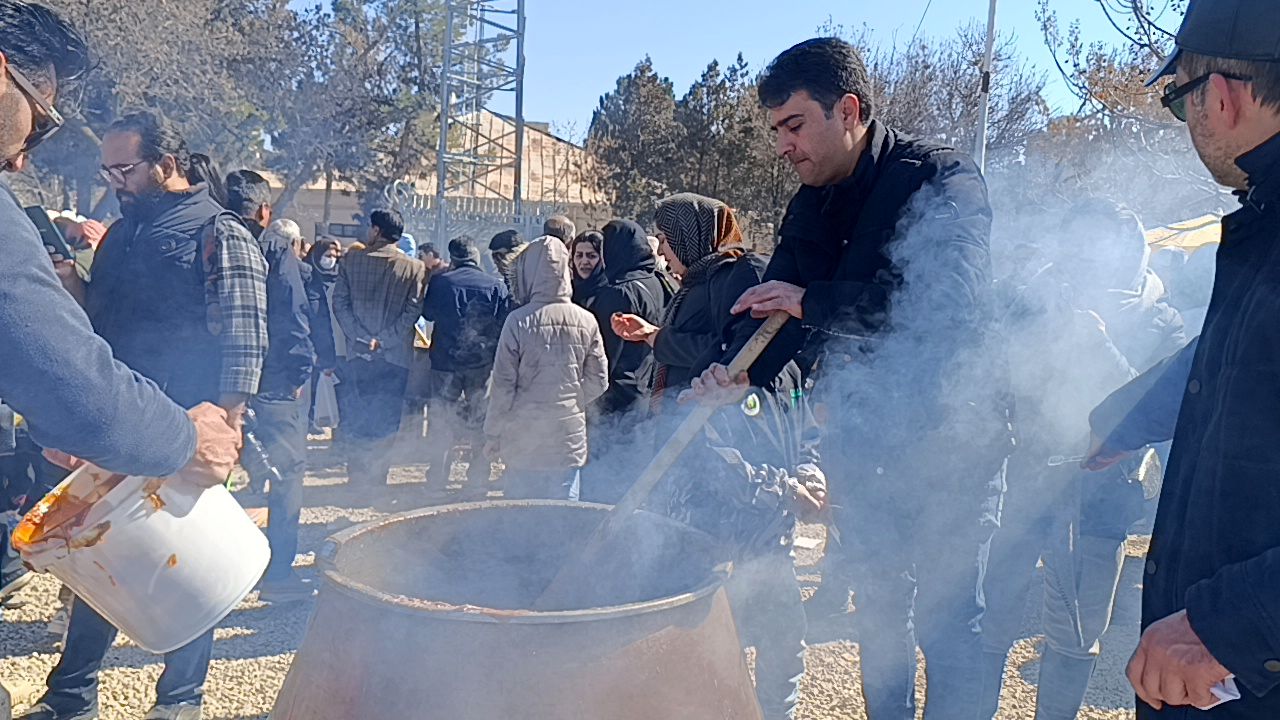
(766, 299)
(715, 387)
(93, 232)
(1173, 667)
(374, 345)
(812, 493)
(633, 328)
(235, 405)
(218, 441)
(63, 460)
(68, 277)
(1100, 457)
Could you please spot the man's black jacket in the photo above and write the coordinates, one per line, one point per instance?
(896, 268)
(1215, 551)
(291, 354)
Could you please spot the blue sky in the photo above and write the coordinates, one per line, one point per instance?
(576, 49)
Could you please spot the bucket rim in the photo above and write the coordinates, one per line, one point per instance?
(326, 558)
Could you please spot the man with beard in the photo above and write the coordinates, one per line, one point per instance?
(1211, 590)
(179, 292)
(884, 266)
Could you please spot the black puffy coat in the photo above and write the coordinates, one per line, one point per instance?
(633, 288)
(696, 337)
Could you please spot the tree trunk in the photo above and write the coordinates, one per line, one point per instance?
(328, 198)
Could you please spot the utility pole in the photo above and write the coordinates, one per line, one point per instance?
(984, 95)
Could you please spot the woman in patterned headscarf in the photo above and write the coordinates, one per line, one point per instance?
(701, 240)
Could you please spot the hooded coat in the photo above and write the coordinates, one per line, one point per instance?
(549, 367)
(633, 288)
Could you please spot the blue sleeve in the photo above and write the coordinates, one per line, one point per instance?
(1145, 411)
(62, 377)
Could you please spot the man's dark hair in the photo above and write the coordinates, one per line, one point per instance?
(428, 247)
(595, 239)
(826, 68)
(462, 247)
(505, 240)
(246, 192)
(159, 137)
(389, 223)
(36, 41)
(559, 226)
(1265, 75)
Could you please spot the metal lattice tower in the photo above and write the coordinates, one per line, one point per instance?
(483, 56)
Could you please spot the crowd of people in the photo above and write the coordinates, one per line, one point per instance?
(955, 423)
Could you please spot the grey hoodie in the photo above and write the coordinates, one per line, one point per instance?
(549, 366)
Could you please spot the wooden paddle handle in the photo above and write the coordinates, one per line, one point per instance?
(696, 419)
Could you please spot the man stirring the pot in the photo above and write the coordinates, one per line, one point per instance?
(883, 265)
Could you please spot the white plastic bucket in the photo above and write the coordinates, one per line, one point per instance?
(162, 564)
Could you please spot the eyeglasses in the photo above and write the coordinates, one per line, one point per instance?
(118, 174)
(1175, 95)
(46, 120)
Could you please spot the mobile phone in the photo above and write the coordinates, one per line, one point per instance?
(50, 235)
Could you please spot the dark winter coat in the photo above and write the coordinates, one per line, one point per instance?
(290, 355)
(319, 284)
(633, 289)
(896, 268)
(1215, 551)
(696, 336)
(468, 307)
(147, 298)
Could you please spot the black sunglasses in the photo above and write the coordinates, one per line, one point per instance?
(1175, 95)
(46, 119)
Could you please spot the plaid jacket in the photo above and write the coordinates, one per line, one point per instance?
(236, 302)
(378, 296)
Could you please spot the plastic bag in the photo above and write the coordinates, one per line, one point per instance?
(326, 403)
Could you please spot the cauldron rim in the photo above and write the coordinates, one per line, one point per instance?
(326, 562)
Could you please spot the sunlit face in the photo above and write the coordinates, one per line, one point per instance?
(821, 148)
(129, 175)
(1210, 134)
(18, 118)
(664, 247)
(585, 259)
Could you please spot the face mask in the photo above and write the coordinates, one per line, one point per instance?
(328, 262)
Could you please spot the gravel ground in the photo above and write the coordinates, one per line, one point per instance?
(255, 644)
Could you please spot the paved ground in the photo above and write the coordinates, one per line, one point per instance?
(255, 644)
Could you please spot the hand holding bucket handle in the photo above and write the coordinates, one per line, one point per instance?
(578, 564)
(217, 447)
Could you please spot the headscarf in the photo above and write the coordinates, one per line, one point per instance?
(704, 234)
(319, 250)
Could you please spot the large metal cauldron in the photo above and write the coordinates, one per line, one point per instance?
(421, 617)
